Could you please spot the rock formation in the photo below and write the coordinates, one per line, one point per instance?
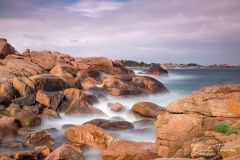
(186, 130)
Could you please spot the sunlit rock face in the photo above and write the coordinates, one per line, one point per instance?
(186, 130)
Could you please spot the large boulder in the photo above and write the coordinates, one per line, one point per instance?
(28, 119)
(43, 59)
(48, 82)
(122, 85)
(123, 150)
(148, 109)
(7, 92)
(49, 99)
(5, 48)
(218, 100)
(23, 85)
(90, 135)
(111, 124)
(174, 130)
(67, 151)
(68, 74)
(156, 70)
(83, 108)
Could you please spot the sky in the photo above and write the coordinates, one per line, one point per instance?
(159, 31)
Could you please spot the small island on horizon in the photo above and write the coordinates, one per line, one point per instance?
(135, 64)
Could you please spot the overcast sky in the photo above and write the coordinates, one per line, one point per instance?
(179, 31)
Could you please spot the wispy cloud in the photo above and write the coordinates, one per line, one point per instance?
(153, 30)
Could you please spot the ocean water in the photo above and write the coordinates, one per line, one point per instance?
(181, 82)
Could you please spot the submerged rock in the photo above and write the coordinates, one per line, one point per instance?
(156, 70)
(111, 124)
(39, 138)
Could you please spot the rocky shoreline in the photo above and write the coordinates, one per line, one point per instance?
(40, 85)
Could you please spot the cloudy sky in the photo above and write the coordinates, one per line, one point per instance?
(179, 31)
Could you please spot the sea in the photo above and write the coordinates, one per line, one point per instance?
(180, 83)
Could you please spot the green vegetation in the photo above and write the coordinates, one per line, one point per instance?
(130, 63)
(233, 130)
(221, 127)
(224, 127)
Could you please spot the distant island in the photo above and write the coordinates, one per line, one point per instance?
(135, 64)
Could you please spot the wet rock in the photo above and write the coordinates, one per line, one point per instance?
(28, 119)
(48, 82)
(156, 70)
(43, 59)
(148, 109)
(111, 124)
(39, 138)
(8, 126)
(49, 99)
(144, 122)
(22, 87)
(25, 101)
(90, 135)
(5, 48)
(122, 150)
(209, 101)
(231, 149)
(67, 151)
(138, 85)
(117, 107)
(83, 108)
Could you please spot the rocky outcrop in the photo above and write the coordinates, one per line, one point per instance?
(111, 124)
(148, 109)
(156, 70)
(122, 150)
(48, 82)
(186, 130)
(91, 135)
(5, 48)
(218, 100)
(121, 85)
